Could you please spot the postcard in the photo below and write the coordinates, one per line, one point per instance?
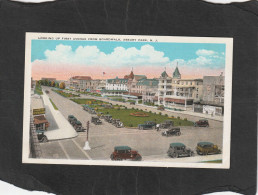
(127, 100)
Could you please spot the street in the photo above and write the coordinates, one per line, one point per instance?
(149, 143)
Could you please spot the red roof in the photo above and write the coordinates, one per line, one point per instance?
(82, 77)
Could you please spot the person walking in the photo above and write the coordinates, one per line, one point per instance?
(157, 127)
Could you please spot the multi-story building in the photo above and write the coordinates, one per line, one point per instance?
(174, 90)
(50, 79)
(84, 83)
(212, 101)
(101, 85)
(115, 87)
(148, 88)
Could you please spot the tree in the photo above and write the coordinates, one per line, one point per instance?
(53, 84)
(57, 85)
(62, 85)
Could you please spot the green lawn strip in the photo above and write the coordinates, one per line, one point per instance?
(212, 161)
(65, 94)
(88, 101)
(38, 90)
(133, 121)
(53, 104)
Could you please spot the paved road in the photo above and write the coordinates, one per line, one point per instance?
(149, 143)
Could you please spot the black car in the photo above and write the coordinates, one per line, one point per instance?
(202, 123)
(147, 125)
(96, 120)
(167, 124)
(179, 150)
(172, 132)
(41, 136)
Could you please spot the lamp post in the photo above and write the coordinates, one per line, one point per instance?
(87, 146)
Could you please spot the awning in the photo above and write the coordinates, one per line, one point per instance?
(40, 119)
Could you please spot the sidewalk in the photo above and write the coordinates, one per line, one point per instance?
(59, 127)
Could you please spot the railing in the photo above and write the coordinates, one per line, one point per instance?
(35, 150)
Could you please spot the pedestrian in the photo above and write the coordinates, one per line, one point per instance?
(157, 127)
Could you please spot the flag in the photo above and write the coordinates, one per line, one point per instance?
(104, 73)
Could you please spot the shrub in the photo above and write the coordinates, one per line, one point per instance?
(159, 113)
(150, 111)
(125, 107)
(133, 108)
(178, 117)
(141, 110)
(131, 125)
(185, 119)
(166, 115)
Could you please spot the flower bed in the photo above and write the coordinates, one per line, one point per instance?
(139, 114)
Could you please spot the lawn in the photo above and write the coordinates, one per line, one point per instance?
(133, 121)
(212, 161)
(65, 94)
(53, 104)
(38, 90)
(88, 101)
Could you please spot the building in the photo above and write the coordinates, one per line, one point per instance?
(212, 101)
(49, 79)
(115, 87)
(38, 113)
(101, 86)
(148, 88)
(83, 83)
(176, 91)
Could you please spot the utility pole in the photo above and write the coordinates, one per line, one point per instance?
(87, 146)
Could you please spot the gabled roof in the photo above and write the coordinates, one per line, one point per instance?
(178, 144)
(147, 82)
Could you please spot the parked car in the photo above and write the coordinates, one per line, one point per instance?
(108, 118)
(117, 123)
(172, 132)
(167, 124)
(132, 103)
(41, 136)
(202, 123)
(176, 150)
(72, 119)
(47, 92)
(96, 120)
(205, 148)
(125, 153)
(86, 107)
(78, 126)
(147, 125)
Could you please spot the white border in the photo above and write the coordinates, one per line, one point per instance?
(227, 103)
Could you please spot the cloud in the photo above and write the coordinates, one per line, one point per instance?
(204, 59)
(204, 52)
(91, 55)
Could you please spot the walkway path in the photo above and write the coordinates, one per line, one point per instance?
(59, 127)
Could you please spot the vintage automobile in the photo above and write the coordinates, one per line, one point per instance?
(78, 126)
(41, 136)
(117, 123)
(108, 118)
(176, 150)
(96, 120)
(71, 119)
(86, 107)
(202, 123)
(167, 124)
(47, 92)
(205, 148)
(132, 103)
(172, 132)
(100, 115)
(125, 153)
(147, 125)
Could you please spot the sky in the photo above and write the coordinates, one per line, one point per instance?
(64, 59)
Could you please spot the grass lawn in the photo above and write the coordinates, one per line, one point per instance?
(133, 121)
(212, 161)
(53, 104)
(65, 94)
(89, 101)
(38, 90)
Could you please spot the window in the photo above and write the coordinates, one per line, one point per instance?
(197, 95)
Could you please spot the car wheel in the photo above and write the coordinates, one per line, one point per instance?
(112, 157)
(175, 155)
(179, 133)
(198, 152)
(45, 139)
(190, 154)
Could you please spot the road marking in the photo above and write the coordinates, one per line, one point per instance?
(62, 147)
(83, 151)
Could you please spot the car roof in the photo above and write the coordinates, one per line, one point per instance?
(71, 116)
(78, 123)
(122, 148)
(174, 128)
(203, 120)
(177, 144)
(205, 143)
